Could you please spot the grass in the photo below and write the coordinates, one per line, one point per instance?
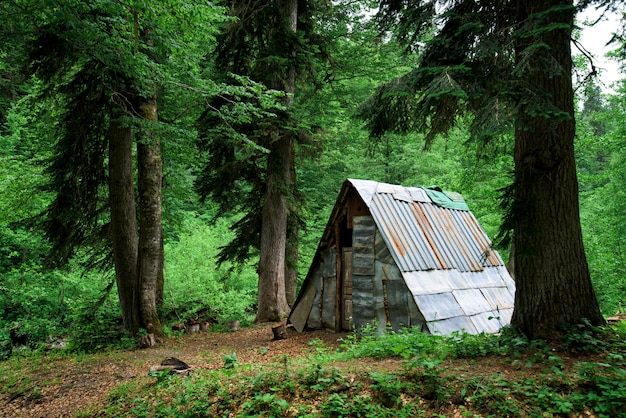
(395, 375)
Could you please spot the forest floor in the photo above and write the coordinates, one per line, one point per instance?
(61, 386)
(54, 385)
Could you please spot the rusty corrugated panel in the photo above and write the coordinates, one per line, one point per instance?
(473, 239)
(443, 237)
(423, 236)
(478, 239)
(425, 227)
(404, 239)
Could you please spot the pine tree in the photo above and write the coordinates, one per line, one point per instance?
(104, 64)
(271, 43)
(507, 65)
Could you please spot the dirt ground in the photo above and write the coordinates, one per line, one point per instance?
(65, 386)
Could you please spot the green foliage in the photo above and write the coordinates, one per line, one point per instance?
(269, 403)
(196, 287)
(600, 156)
(586, 338)
(98, 325)
(36, 305)
(230, 361)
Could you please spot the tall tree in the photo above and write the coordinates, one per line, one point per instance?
(104, 63)
(508, 64)
(269, 42)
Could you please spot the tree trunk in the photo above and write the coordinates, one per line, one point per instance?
(150, 178)
(552, 277)
(123, 221)
(291, 251)
(272, 302)
(291, 265)
(272, 298)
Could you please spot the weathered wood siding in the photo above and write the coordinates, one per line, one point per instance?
(324, 279)
(379, 293)
(363, 257)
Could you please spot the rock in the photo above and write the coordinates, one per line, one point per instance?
(193, 328)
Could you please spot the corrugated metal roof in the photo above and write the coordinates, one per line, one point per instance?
(457, 280)
(424, 236)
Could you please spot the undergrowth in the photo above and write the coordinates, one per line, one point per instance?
(431, 376)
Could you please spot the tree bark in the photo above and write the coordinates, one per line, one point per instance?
(150, 177)
(552, 277)
(272, 302)
(291, 265)
(124, 221)
(272, 298)
(291, 251)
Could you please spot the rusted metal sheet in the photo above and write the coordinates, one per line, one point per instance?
(413, 263)
(424, 236)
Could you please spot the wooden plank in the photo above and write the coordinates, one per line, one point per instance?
(301, 311)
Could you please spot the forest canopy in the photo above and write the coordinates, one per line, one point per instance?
(145, 145)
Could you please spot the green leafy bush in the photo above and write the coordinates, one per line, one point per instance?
(196, 287)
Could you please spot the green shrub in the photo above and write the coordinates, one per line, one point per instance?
(196, 287)
(97, 327)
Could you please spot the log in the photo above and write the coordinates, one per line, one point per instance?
(280, 332)
(173, 366)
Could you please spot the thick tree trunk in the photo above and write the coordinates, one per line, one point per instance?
(272, 297)
(124, 222)
(552, 277)
(272, 302)
(150, 177)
